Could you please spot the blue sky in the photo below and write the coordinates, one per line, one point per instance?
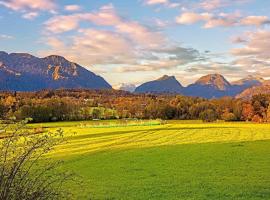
(133, 41)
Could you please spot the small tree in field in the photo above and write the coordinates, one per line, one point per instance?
(26, 171)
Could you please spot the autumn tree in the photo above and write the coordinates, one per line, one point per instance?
(208, 115)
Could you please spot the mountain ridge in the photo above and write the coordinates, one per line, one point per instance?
(208, 86)
(25, 72)
(164, 84)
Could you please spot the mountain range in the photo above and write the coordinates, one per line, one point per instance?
(209, 86)
(25, 72)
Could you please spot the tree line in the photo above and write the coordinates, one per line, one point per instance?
(73, 105)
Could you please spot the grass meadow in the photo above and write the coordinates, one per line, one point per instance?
(177, 160)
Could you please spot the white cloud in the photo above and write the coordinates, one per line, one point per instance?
(106, 16)
(126, 43)
(72, 7)
(254, 54)
(166, 3)
(154, 2)
(30, 15)
(63, 23)
(6, 37)
(29, 4)
(192, 17)
(257, 46)
(221, 19)
(211, 5)
(30, 8)
(202, 5)
(255, 20)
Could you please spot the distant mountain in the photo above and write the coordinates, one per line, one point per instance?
(249, 81)
(261, 89)
(25, 72)
(209, 86)
(126, 87)
(245, 83)
(165, 84)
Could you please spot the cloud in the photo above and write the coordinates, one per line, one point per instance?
(154, 2)
(63, 23)
(123, 45)
(106, 16)
(100, 47)
(6, 37)
(255, 20)
(221, 19)
(166, 3)
(257, 46)
(93, 47)
(140, 34)
(166, 58)
(19, 5)
(238, 40)
(254, 54)
(30, 8)
(211, 5)
(192, 17)
(30, 15)
(72, 7)
(199, 5)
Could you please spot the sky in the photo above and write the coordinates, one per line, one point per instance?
(133, 41)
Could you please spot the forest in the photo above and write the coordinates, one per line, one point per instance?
(80, 104)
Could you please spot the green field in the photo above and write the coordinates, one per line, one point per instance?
(177, 160)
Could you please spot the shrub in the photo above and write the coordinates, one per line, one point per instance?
(26, 173)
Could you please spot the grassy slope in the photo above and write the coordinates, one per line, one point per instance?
(174, 161)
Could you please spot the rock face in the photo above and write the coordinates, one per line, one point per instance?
(165, 84)
(24, 72)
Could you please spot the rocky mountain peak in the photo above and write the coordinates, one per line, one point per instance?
(55, 59)
(214, 80)
(166, 77)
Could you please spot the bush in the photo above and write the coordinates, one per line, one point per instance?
(26, 173)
